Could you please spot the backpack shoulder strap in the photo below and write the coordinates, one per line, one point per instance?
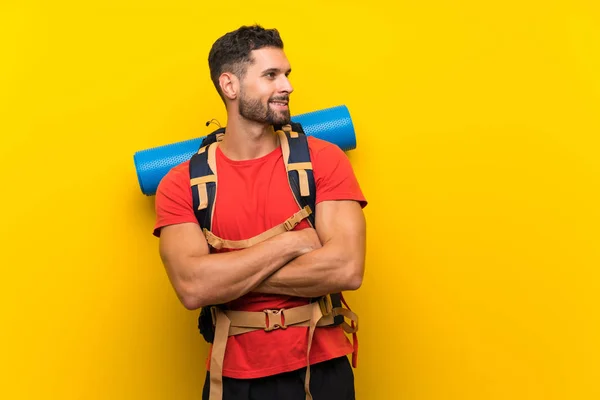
(296, 156)
(203, 178)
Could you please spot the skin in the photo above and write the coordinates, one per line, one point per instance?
(305, 263)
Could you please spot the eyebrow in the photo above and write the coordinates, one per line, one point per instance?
(276, 70)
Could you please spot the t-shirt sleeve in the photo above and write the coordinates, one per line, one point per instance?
(173, 203)
(334, 176)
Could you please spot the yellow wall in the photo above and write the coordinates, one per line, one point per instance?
(478, 138)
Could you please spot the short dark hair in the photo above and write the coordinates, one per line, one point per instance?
(231, 52)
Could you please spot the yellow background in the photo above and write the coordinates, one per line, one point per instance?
(477, 126)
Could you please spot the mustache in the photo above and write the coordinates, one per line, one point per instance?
(282, 98)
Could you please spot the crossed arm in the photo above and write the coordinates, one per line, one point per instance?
(305, 263)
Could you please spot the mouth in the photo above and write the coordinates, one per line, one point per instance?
(279, 104)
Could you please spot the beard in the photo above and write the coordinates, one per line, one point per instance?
(254, 110)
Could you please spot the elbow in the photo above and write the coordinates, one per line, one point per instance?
(191, 303)
(354, 276)
(191, 299)
(354, 282)
(194, 294)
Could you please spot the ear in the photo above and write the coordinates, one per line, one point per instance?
(230, 85)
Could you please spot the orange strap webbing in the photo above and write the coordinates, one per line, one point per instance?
(285, 226)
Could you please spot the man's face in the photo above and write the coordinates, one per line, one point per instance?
(265, 90)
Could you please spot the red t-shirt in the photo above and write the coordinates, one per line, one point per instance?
(252, 197)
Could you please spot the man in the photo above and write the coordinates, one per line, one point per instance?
(251, 74)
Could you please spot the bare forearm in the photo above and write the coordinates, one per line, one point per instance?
(315, 274)
(222, 277)
(336, 266)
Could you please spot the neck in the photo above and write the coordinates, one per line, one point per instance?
(246, 140)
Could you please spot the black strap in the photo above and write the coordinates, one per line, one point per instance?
(199, 168)
(300, 153)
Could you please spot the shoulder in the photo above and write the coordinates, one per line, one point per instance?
(178, 176)
(173, 201)
(334, 176)
(320, 149)
(180, 171)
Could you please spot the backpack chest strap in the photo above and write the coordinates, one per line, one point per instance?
(289, 224)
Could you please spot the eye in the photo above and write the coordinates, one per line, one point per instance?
(270, 75)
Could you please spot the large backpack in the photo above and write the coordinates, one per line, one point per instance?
(203, 180)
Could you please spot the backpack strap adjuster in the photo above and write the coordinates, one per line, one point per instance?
(295, 219)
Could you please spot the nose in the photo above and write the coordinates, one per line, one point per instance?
(286, 85)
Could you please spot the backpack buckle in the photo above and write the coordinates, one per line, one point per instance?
(288, 225)
(274, 320)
